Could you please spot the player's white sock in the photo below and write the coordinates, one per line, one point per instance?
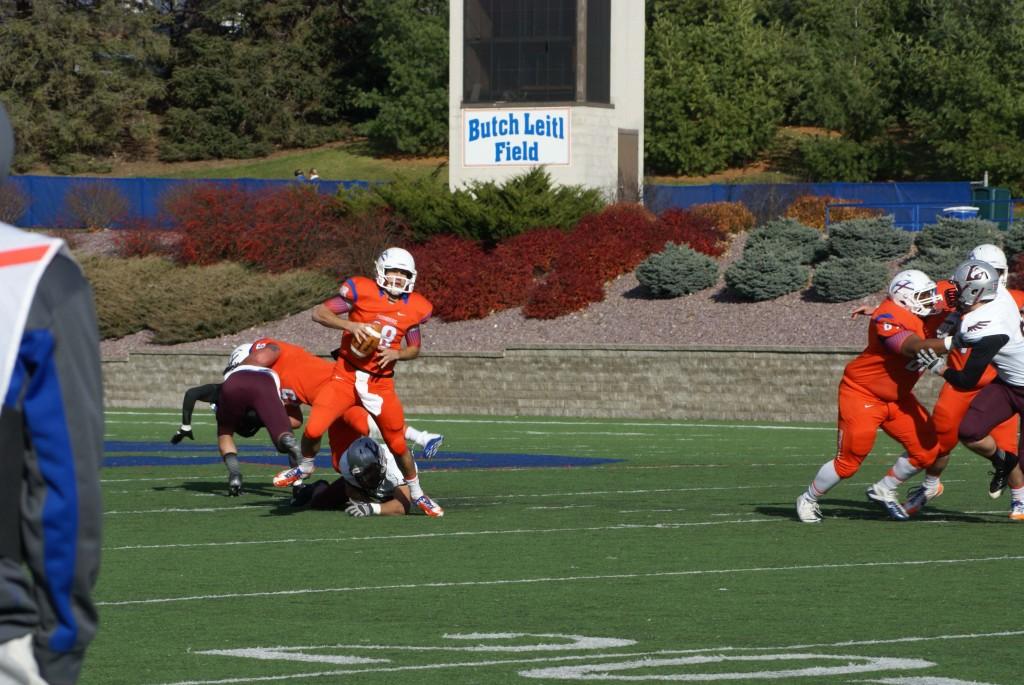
(419, 437)
(415, 491)
(1017, 494)
(931, 483)
(900, 471)
(826, 479)
(308, 465)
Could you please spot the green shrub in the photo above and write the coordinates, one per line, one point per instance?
(829, 159)
(938, 263)
(764, 274)
(1013, 240)
(954, 234)
(194, 303)
(788, 236)
(485, 211)
(876, 238)
(677, 270)
(843, 279)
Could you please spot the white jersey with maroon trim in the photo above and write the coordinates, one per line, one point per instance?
(392, 478)
(998, 317)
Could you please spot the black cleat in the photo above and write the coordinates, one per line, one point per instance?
(1000, 474)
(234, 486)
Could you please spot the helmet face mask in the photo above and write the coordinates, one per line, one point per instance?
(976, 281)
(994, 256)
(367, 464)
(396, 271)
(916, 292)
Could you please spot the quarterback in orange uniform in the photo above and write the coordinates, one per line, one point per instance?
(953, 402)
(386, 310)
(876, 391)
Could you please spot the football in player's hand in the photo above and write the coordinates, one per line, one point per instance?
(370, 342)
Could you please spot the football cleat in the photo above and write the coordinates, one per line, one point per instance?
(887, 498)
(920, 496)
(807, 510)
(1017, 511)
(288, 477)
(433, 445)
(429, 506)
(235, 485)
(999, 475)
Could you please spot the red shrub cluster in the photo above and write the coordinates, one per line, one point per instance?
(810, 210)
(729, 217)
(277, 230)
(140, 240)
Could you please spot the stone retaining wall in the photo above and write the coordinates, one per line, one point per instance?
(614, 382)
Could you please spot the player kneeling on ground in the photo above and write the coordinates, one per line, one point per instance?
(371, 484)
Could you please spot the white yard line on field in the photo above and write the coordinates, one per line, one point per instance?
(561, 579)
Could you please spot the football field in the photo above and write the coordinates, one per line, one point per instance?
(571, 550)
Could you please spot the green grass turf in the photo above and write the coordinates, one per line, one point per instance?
(348, 163)
(687, 552)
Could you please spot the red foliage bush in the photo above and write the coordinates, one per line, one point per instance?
(810, 210)
(687, 228)
(277, 230)
(142, 241)
(728, 217)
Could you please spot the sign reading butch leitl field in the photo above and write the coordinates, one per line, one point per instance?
(515, 137)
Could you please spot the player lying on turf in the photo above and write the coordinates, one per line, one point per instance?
(876, 391)
(371, 484)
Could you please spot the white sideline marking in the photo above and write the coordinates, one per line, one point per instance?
(604, 671)
(180, 510)
(925, 680)
(535, 422)
(726, 648)
(464, 533)
(559, 579)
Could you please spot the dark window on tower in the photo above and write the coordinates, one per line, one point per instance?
(599, 47)
(520, 51)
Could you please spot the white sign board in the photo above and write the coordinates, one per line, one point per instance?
(515, 137)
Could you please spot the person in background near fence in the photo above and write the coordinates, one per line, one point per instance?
(876, 391)
(299, 176)
(51, 446)
(314, 176)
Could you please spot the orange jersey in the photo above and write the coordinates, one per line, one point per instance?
(880, 369)
(370, 304)
(302, 373)
(958, 355)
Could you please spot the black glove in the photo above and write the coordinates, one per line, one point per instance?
(181, 434)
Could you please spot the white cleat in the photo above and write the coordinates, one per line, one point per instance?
(888, 499)
(807, 510)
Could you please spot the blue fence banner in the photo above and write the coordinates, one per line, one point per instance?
(48, 195)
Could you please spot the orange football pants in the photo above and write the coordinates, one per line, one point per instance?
(349, 388)
(949, 412)
(861, 414)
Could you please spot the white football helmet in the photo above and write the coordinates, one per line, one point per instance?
(915, 291)
(976, 281)
(238, 355)
(994, 256)
(391, 259)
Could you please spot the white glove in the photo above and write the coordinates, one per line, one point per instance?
(927, 359)
(358, 509)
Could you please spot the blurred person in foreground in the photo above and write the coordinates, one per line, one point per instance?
(51, 445)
